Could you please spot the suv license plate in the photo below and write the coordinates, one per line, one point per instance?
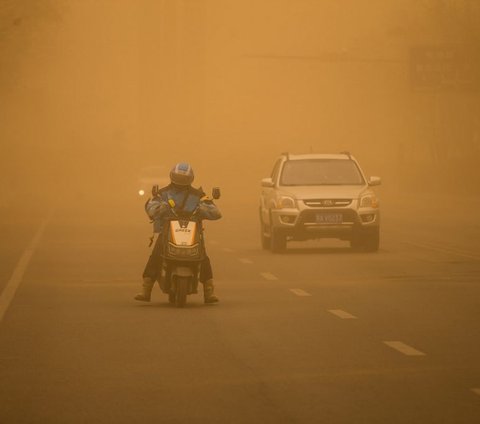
(329, 218)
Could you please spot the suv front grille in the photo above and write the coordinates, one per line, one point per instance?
(327, 203)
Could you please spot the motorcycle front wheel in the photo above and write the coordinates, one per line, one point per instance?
(181, 291)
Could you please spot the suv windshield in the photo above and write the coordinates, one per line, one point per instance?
(321, 172)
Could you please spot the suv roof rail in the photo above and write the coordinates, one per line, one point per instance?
(346, 153)
(286, 154)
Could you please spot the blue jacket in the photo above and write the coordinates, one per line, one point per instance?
(172, 201)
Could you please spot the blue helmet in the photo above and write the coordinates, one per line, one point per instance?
(182, 174)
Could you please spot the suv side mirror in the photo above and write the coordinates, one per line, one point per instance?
(216, 193)
(267, 182)
(374, 181)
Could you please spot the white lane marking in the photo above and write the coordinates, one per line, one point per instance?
(300, 292)
(476, 391)
(227, 249)
(448, 250)
(12, 285)
(404, 348)
(108, 280)
(268, 276)
(342, 314)
(245, 261)
(98, 284)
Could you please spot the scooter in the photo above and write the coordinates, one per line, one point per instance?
(183, 251)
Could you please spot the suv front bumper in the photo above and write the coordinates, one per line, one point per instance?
(304, 223)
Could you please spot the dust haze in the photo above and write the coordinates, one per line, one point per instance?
(93, 91)
(379, 323)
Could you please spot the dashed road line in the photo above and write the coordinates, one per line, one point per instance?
(404, 348)
(476, 391)
(268, 276)
(451, 251)
(8, 293)
(342, 314)
(78, 286)
(300, 292)
(245, 261)
(107, 280)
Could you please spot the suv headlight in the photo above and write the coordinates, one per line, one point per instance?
(369, 201)
(285, 202)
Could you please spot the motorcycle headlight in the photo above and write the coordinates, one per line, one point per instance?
(285, 202)
(369, 201)
(183, 251)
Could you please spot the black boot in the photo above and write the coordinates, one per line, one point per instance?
(147, 286)
(208, 292)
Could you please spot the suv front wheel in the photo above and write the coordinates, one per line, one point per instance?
(264, 240)
(366, 240)
(278, 240)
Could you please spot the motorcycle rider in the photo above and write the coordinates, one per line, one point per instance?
(184, 199)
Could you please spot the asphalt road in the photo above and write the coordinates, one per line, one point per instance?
(318, 334)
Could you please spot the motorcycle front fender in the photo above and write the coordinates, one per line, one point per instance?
(182, 271)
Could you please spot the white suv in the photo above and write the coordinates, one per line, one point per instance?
(314, 196)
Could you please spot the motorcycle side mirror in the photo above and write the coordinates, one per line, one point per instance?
(216, 193)
(155, 190)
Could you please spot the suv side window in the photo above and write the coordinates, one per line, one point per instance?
(276, 170)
